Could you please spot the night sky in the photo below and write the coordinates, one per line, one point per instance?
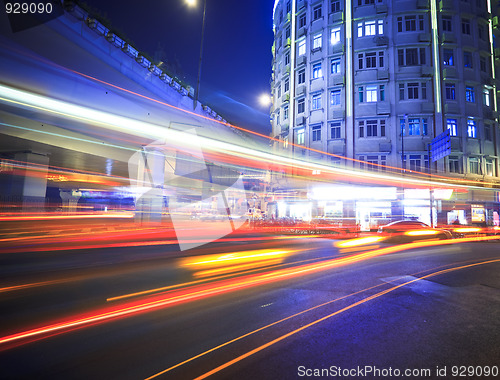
(237, 55)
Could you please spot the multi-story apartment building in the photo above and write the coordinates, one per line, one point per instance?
(377, 80)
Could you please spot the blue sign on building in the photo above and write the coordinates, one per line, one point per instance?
(441, 146)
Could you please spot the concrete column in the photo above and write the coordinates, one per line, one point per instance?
(70, 199)
(29, 181)
(151, 171)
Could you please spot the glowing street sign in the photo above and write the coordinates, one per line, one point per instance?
(441, 146)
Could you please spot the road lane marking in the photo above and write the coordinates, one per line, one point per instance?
(377, 295)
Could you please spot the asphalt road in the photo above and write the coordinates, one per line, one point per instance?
(315, 311)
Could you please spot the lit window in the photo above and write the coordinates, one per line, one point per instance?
(471, 129)
(335, 98)
(380, 24)
(425, 127)
(316, 102)
(469, 94)
(335, 67)
(450, 91)
(371, 93)
(301, 136)
(317, 72)
(317, 41)
(402, 125)
(316, 133)
(335, 36)
(448, 57)
(451, 124)
(413, 126)
(486, 97)
(370, 28)
(335, 130)
(302, 47)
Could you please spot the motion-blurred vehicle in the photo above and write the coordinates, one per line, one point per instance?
(404, 231)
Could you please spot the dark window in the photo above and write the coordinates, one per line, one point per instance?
(317, 12)
(301, 105)
(446, 23)
(302, 76)
(334, 6)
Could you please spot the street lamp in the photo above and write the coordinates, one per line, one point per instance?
(192, 3)
(264, 100)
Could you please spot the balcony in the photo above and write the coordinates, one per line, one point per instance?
(300, 120)
(381, 40)
(445, 5)
(448, 38)
(285, 98)
(424, 37)
(426, 71)
(301, 4)
(382, 74)
(383, 108)
(336, 17)
(385, 147)
(301, 90)
(422, 4)
(338, 80)
(301, 60)
(427, 107)
(381, 8)
(488, 113)
(336, 146)
(302, 32)
(449, 72)
(452, 108)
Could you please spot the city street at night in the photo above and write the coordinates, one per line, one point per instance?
(273, 189)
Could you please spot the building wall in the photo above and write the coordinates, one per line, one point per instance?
(349, 75)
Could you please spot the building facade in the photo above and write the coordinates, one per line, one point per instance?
(377, 80)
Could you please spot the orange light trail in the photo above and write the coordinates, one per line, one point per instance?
(358, 303)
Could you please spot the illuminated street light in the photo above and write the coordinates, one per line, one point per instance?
(191, 3)
(264, 100)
